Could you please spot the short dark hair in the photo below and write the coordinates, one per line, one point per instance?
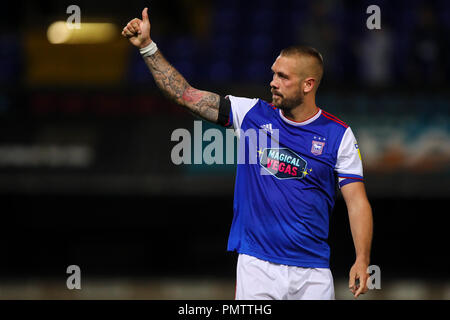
(306, 51)
(303, 51)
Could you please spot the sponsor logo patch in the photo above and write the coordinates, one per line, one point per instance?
(283, 163)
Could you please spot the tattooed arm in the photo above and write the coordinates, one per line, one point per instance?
(169, 80)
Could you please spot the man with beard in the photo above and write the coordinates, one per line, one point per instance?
(282, 203)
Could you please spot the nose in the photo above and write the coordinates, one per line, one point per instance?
(274, 84)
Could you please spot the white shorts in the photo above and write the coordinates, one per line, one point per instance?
(263, 280)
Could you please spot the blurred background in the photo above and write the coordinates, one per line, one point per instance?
(86, 176)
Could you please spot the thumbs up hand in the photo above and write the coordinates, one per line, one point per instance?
(138, 31)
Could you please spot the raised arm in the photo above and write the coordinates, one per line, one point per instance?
(202, 103)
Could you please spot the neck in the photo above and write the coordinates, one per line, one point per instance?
(301, 112)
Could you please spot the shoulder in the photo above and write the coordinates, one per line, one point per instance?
(242, 102)
(249, 102)
(334, 121)
(336, 128)
(240, 108)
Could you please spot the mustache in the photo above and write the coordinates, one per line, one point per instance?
(276, 93)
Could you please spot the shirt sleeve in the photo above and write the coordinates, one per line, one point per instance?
(349, 165)
(239, 108)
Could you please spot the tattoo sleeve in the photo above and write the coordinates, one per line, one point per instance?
(172, 83)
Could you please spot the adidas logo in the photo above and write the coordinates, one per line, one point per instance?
(267, 127)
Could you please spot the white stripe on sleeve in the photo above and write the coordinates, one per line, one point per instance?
(239, 108)
(349, 158)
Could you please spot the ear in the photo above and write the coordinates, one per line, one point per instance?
(309, 84)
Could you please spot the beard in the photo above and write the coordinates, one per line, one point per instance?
(285, 104)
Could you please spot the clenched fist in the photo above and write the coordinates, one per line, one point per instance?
(138, 31)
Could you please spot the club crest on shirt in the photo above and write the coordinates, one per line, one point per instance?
(317, 147)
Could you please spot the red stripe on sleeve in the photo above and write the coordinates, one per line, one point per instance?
(334, 117)
(335, 120)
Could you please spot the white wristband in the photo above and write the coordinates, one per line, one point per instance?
(148, 50)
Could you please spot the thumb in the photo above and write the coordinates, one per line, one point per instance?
(145, 15)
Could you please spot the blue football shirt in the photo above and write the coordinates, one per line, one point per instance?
(286, 181)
